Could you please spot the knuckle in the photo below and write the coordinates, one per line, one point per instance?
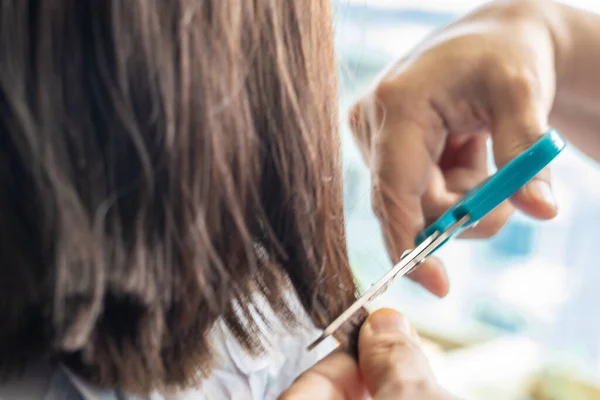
(387, 92)
(399, 348)
(513, 81)
(520, 84)
(505, 149)
(392, 95)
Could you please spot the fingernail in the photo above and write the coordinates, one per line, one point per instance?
(389, 321)
(542, 191)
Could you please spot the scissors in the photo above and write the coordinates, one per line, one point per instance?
(471, 208)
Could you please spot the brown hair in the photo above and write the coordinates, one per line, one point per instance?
(161, 161)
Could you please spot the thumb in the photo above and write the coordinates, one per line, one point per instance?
(520, 124)
(392, 364)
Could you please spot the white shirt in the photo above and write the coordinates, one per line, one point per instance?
(237, 376)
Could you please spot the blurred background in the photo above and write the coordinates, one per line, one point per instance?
(524, 304)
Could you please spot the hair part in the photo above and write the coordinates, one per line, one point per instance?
(161, 162)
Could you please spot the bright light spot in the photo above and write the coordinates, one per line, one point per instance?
(538, 289)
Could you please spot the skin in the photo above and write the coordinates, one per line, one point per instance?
(506, 71)
(423, 127)
(392, 366)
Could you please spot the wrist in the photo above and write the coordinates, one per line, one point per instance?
(575, 38)
(546, 29)
(543, 16)
(576, 41)
(555, 20)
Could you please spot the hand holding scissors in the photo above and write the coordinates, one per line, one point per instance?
(475, 205)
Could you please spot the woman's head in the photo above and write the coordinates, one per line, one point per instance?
(160, 161)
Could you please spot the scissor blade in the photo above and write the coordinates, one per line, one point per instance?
(408, 263)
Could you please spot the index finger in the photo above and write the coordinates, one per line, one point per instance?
(403, 158)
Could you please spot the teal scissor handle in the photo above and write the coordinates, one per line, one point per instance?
(489, 194)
